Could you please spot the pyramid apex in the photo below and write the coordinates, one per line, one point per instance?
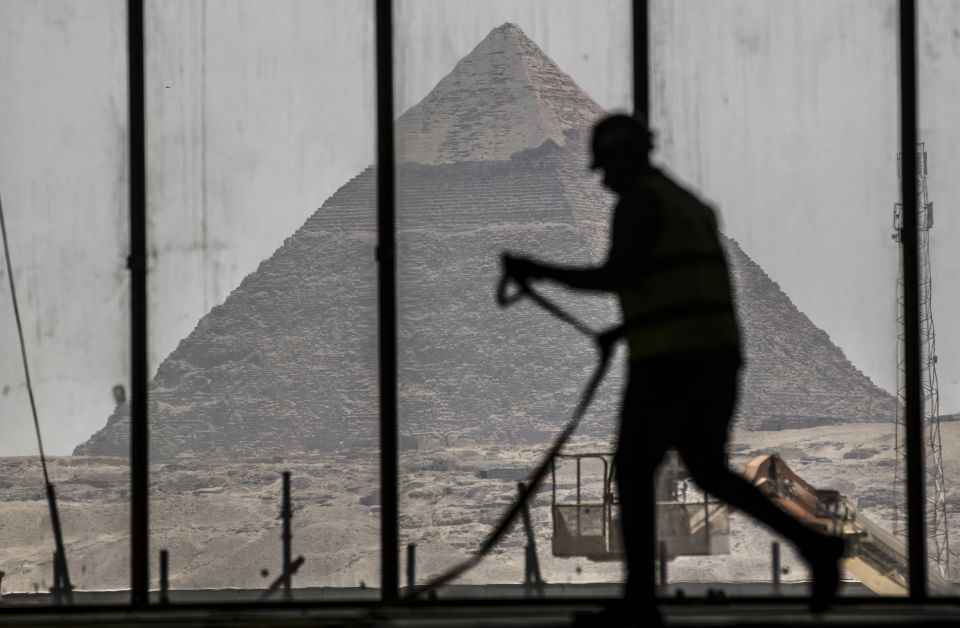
(508, 27)
(513, 30)
(505, 96)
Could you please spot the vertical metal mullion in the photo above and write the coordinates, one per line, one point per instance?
(641, 110)
(641, 60)
(387, 299)
(916, 500)
(137, 263)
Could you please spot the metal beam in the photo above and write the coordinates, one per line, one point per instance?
(137, 263)
(641, 60)
(916, 500)
(387, 299)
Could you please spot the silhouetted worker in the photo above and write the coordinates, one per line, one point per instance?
(666, 265)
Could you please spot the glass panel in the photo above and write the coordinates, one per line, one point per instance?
(496, 101)
(63, 184)
(263, 295)
(784, 116)
(939, 152)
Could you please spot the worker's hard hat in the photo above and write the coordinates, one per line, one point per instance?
(620, 136)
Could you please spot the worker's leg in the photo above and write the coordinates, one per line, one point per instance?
(639, 452)
(711, 403)
(706, 460)
(637, 519)
(710, 472)
(822, 552)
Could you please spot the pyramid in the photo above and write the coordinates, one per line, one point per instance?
(493, 159)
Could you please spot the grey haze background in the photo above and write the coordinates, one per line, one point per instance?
(784, 113)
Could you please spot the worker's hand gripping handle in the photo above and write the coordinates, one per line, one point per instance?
(504, 297)
(607, 339)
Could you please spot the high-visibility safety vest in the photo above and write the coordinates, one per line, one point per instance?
(679, 301)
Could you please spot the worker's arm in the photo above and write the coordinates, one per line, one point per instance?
(632, 233)
(600, 278)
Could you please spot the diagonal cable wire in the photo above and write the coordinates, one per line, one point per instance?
(62, 585)
(23, 347)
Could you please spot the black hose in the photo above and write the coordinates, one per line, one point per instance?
(605, 342)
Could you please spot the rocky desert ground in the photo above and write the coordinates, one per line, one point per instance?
(219, 518)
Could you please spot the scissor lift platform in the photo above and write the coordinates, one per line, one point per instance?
(689, 523)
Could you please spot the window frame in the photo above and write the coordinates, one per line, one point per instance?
(387, 303)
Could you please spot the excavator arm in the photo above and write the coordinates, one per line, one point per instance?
(875, 556)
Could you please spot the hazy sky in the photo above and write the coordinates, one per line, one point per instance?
(783, 113)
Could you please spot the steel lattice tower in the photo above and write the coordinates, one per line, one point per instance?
(936, 516)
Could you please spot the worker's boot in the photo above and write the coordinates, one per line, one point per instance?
(824, 556)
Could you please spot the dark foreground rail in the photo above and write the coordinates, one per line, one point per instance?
(502, 614)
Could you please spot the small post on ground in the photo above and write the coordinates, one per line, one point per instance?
(775, 549)
(62, 590)
(61, 572)
(663, 566)
(164, 577)
(411, 566)
(286, 514)
(706, 522)
(532, 580)
(55, 590)
(290, 567)
(278, 582)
